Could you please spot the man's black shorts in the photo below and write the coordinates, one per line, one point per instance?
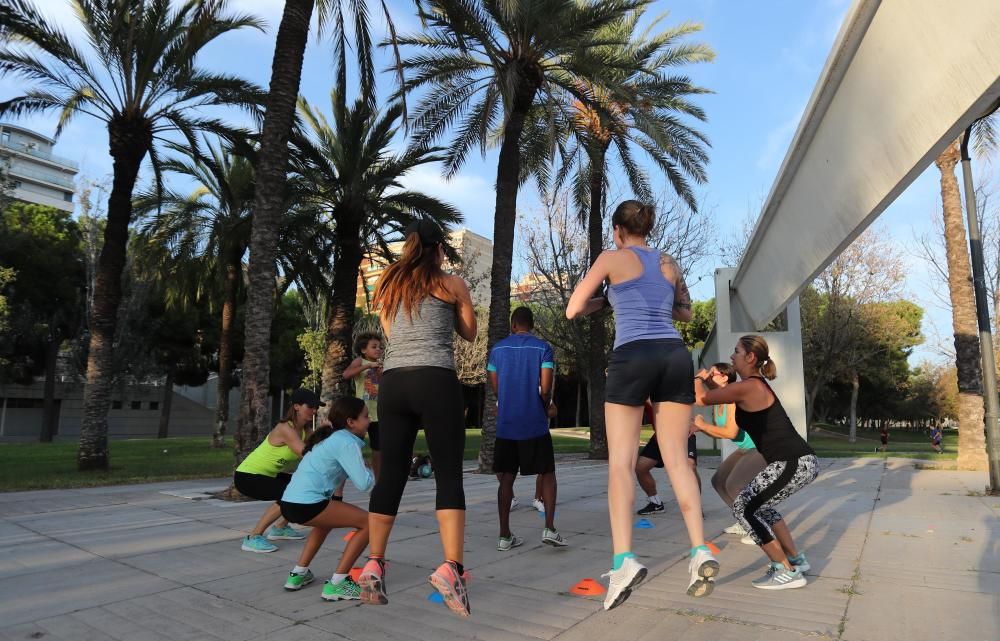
(652, 450)
(528, 457)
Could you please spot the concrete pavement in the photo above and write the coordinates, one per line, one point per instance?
(896, 553)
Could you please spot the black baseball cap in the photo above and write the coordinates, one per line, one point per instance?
(430, 232)
(306, 397)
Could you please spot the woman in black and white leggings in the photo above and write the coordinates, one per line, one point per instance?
(421, 307)
(791, 463)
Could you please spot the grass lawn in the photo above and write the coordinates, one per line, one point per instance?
(33, 466)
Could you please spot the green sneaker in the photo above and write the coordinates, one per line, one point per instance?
(346, 590)
(299, 581)
(287, 533)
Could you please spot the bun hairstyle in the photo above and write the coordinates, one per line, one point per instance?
(635, 218)
(341, 409)
(727, 370)
(756, 345)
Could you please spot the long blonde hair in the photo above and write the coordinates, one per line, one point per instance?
(410, 279)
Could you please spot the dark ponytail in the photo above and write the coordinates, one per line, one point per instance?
(756, 345)
(341, 409)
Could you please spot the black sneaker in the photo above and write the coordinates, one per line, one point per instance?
(651, 508)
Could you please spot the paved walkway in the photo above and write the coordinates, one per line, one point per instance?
(897, 553)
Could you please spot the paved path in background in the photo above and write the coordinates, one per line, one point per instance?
(896, 553)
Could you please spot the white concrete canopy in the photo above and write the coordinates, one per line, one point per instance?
(904, 78)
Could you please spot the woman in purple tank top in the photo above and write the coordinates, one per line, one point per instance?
(647, 292)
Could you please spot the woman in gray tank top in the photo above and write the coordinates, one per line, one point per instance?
(421, 308)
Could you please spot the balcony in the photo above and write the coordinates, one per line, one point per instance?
(52, 178)
(41, 155)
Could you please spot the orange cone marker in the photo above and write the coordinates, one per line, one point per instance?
(350, 535)
(712, 548)
(587, 587)
(355, 573)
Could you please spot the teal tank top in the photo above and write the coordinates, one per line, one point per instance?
(742, 439)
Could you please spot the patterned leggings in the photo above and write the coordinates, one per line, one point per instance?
(754, 507)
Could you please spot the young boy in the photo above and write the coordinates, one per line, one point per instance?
(520, 372)
(366, 371)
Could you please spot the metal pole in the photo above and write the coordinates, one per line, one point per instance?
(983, 316)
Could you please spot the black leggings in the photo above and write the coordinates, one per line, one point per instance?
(411, 398)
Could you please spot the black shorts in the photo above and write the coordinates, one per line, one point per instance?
(652, 450)
(373, 436)
(660, 370)
(301, 513)
(260, 487)
(531, 456)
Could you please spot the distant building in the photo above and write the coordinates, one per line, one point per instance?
(475, 251)
(36, 174)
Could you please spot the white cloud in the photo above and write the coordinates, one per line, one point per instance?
(776, 144)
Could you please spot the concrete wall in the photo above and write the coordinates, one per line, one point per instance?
(135, 412)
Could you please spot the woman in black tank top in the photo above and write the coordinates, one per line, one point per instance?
(792, 464)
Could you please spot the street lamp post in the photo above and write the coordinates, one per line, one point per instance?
(983, 316)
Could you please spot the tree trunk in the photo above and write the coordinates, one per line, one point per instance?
(50, 413)
(269, 200)
(342, 302)
(596, 330)
(129, 141)
(505, 217)
(168, 399)
(579, 400)
(852, 429)
(811, 404)
(971, 428)
(225, 381)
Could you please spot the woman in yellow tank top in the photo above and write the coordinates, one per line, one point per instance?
(262, 474)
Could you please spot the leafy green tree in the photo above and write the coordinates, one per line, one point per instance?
(695, 332)
(355, 180)
(140, 77)
(42, 245)
(483, 65)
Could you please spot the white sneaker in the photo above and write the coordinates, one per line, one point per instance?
(505, 543)
(553, 538)
(778, 577)
(736, 529)
(622, 581)
(538, 505)
(514, 503)
(703, 568)
(747, 540)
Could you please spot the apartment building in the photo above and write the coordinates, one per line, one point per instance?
(36, 174)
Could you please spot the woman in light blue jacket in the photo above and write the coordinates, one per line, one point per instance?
(332, 455)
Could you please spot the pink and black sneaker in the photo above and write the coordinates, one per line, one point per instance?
(452, 587)
(372, 583)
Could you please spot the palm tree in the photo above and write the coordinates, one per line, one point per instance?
(484, 63)
(356, 181)
(651, 122)
(971, 431)
(200, 241)
(271, 172)
(145, 84)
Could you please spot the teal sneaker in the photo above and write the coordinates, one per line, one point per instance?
(778, 577)
(299, 581)
(346, 590)
(800, 562)
(257, 543)
(287, 533)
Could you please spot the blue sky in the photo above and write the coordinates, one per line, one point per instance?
(769, 56)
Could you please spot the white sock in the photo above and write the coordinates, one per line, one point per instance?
(655, 499)
(298, 569)
(337, 578)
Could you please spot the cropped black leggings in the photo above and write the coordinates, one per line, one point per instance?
(411, 398)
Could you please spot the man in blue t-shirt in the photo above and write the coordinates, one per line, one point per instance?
(520, 372)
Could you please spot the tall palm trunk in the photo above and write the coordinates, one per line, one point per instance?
(971, 429)
(597, 334)
(342, 302)
(225, 381)
(508, 178)
(130, 140)
(167, 403)
(269, 196)
(50, 413)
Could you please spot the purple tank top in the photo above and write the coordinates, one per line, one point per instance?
(644, 306)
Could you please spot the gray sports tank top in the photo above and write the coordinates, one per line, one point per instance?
(426, 340)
